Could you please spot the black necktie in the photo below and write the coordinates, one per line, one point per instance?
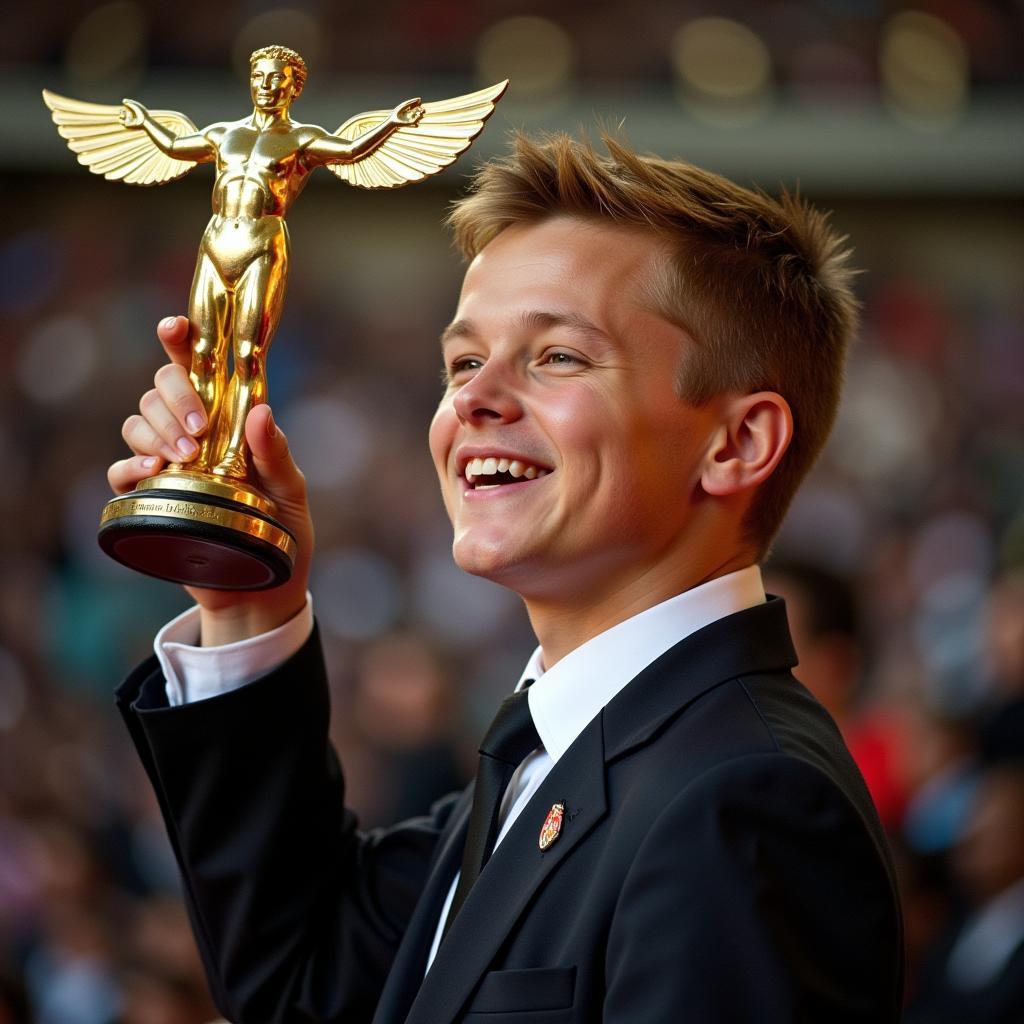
(511, 737)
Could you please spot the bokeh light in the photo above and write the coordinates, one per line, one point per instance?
(108, 43)
(534, 53)
(924, 69)
(283, 26)
(724, 70)
(58, 359)
(358, 595)
(330, 438)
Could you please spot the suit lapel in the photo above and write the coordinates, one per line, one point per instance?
(512, 876)
(745, 643)
(410, 961)
(748, 642)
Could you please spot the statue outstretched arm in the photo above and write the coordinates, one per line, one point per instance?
(329, 149)
(194, 146)
(98, 135)
(411, 142)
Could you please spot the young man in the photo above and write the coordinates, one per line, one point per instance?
(644, 363)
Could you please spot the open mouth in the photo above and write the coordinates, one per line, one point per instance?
(486, 473)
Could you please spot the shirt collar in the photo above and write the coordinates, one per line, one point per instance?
(566, 697)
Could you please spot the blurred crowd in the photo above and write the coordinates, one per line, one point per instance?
(902, 560)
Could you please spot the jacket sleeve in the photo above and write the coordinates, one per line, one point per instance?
(757, 895)
(297, 914)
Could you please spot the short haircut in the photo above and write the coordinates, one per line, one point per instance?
(762, 285)
(289, 57)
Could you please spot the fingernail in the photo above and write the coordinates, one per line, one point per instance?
(194, 422)
(149, 462)
(272, 430)
(187, 446)
(168, 322)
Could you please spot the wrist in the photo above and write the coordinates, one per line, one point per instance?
(245, 620)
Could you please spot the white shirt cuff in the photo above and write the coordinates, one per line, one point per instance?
(194, 673)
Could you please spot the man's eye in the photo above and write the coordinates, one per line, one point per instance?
(459, 368)
(562, 359)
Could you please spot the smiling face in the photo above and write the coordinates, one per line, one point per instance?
(569, 466)
(272, 83)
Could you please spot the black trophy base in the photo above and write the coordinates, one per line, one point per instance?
(200, 531)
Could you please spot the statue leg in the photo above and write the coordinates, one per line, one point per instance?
(209, 308)
(259, 296)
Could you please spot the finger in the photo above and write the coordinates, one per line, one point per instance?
(125, 474)
(165, 423)
(175, 388)
(145, 438)
(272, 458)
(173, 333)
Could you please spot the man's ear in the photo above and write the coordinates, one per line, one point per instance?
(753, 436)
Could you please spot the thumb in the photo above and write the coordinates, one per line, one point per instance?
(272, 460)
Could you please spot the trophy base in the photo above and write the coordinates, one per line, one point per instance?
(200, 530)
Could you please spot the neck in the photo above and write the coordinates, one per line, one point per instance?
(263, 119)
(562, 625)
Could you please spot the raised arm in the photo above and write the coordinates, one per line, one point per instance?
(196, 147)
(297, 914)
(329, 149)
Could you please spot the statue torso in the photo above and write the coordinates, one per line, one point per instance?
(259, 172)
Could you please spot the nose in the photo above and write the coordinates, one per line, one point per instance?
(489, 396)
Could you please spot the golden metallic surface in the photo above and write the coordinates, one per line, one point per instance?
(96, 133)
(130, 505)
(203, 483)
(262, 163)
(445, 130)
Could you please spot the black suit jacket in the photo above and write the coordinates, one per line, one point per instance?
(720, 860)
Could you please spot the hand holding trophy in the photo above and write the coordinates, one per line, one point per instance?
(204, 522)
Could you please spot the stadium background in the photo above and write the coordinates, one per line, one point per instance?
(902, 118)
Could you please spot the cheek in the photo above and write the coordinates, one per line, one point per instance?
(581, 418)
(440, 434)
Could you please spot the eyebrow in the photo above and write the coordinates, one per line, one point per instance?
(533, 320)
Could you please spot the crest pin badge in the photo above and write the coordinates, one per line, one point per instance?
(552, 827)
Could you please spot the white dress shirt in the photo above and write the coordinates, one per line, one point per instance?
(563, 700)
(194, 673)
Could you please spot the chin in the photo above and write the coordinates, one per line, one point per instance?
(489, 559)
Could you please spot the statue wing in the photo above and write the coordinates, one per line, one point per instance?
(94, 131)
(414, 152)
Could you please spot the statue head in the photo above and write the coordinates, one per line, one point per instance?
(277, 75)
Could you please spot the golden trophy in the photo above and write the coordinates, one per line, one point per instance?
(207, 524)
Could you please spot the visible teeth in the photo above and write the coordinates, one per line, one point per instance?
(486, 487)
(515, 468)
